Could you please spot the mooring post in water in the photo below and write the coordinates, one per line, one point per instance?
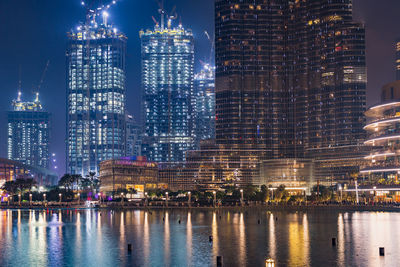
(219, 261)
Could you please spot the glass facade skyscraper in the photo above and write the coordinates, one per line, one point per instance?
(290, 76)
(204, 92)
(28, 133)
(167, 84)
(95, 95)
(133, 137)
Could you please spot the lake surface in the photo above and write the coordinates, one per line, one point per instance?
(100, 238)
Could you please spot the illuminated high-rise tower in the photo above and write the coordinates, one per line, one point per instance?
(167, 84)
(204, 93)
(95, 93)
(28, 133)
(290, 76)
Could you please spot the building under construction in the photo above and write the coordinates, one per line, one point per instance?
(167, 90)
(28, 133)
(96, 73)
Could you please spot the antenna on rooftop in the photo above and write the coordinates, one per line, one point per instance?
(92, 11)
(172, 16)
(19, 84)
(162, 12)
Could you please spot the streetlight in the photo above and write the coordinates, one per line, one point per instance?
(122, 198)
(341, 193)
(189, 198)
(145, 201)
(269, 263)
(30, 199)
(79, 198)
(19, 199)
(44, 197)
(215, 198)
(166, 198)
(241, 196)
(59, 195)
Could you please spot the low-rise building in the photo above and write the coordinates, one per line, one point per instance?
(129, 173)
(11, 170)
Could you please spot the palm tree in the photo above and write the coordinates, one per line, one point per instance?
(66, 181)
(10, 187)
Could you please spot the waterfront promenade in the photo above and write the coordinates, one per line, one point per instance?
(387, 207)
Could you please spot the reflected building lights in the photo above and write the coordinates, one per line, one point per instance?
(341, 239)
(298, 242)
(146, 239)
(272, 237)
(189, 239)
(167, 239)
(214, 233)
(242, 240)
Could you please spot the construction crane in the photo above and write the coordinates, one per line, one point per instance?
(43, 75)
(212, 43)
(163, 13)
(92, 11)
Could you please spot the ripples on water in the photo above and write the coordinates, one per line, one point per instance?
(100, 238)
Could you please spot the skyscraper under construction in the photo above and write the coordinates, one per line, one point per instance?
(167, 86)
(28, 133)
(290, 76)
(96, 54)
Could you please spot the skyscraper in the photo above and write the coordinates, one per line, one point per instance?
(28, 133)
(133, 137)
(204, 93)
(96, 74)
(167, 84)
(398, 59)
(290, 76)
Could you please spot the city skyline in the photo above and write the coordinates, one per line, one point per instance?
(53, 50)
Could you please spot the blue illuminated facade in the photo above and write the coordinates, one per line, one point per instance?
(96, 126)
(28, 133)
(168, 97)
(204, 91)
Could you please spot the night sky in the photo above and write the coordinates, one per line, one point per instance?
(34, 31)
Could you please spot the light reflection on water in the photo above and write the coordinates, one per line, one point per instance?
(243, 238)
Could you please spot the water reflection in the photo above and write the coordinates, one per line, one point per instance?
(166, 239)
(72, 238)
(189, 238)
(298, 240)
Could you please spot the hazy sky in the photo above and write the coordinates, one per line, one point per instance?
(34, 31)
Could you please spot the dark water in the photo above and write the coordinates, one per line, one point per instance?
(100, 238)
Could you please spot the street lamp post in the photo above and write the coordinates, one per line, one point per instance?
(30, 199)
(19, 199)
(60, 195)
(215, 198)
(166, 199)
(122, 199)
(356, 184)
(44, 197)
(189, 198)
(145, 200)
(341, 193)
(79, 198)
(241, 197)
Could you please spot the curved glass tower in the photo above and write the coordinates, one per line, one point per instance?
(384, 136)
